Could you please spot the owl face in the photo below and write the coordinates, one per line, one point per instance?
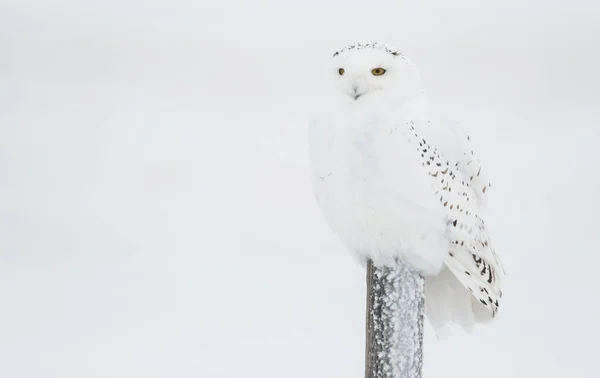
(375, 72)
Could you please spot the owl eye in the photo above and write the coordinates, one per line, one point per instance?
(341, 71)
(378, 71)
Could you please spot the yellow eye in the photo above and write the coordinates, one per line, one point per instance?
(377, 71)
(341, 71)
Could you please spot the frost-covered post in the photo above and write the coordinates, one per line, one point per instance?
(395, 312)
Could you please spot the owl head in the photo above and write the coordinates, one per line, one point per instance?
(375, 71)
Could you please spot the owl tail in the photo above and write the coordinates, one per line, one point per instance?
(449, 303)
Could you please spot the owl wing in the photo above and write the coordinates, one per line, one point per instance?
(457, 147)
(460, 188)
(469, 166)
(474, 262)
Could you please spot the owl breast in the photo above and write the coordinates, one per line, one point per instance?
(373, 192)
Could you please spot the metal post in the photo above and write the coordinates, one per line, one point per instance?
(394, 332)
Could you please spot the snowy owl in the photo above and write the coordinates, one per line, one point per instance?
(393, 183)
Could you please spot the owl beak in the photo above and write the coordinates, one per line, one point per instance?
(359, 87)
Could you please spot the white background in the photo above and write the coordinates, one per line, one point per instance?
(156, 218)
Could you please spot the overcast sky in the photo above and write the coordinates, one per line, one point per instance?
(156, 217)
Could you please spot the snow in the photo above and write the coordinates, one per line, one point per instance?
(155, 205)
